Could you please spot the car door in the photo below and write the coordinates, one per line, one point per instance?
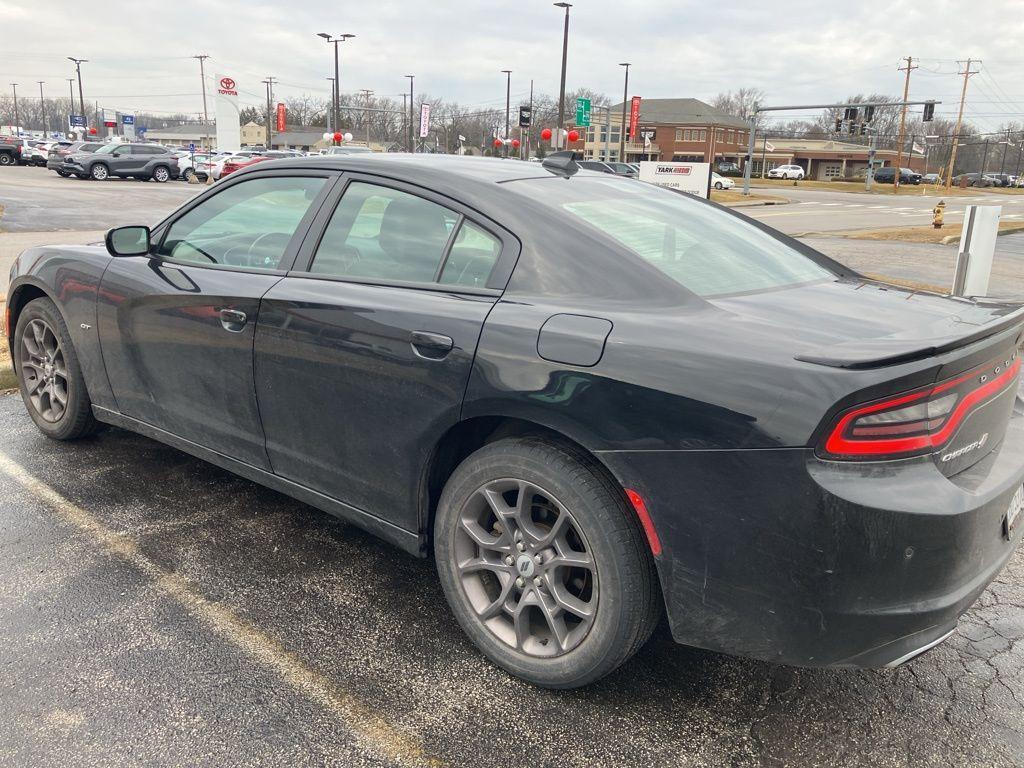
(364, 352)
(177, 326)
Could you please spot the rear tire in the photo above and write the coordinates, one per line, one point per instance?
(591, 599)
(161, 174)
(49, 375)
(6, 159)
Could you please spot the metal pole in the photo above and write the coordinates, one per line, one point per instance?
(607, 132)
(565, 58)
(337, 89)
(903, 124)
(412, 140)
(622, 128)
(508, 92)
(332, 110)
(405, 116)
(529, 130)
(17, 121)
(81, 99)
(367, 93)
(206, 115)
(46, 130)
(750, 153)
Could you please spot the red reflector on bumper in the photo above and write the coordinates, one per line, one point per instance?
(645, 520)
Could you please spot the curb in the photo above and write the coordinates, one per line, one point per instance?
(755, 203)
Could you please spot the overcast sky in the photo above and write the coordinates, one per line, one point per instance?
(797, 51)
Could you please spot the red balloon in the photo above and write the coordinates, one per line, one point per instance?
(574, 135)
(92, 131)
(497, 143)
(337, 137)
(546, 134)
(515, 143)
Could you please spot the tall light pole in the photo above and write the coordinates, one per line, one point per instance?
(17, 121)
(206, 115)
(337, 73)
(46, 130)
(561, 87)
(622, 128)
(508, 91)
(412, 141)
(367, 93)
(269, 82)
(81, 99)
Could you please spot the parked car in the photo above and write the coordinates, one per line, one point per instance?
(348, 149)
(596, 165)
(721, 182)
(196, 164)
(237, 162)
(10, 150)
(623, 169)
(972, 180)
(138, 161)
(727, 168)
(36, 152)
(887, 175)
(55, 157)
(1001, 179)
(931, 178)
(786, 172)
(591, 401)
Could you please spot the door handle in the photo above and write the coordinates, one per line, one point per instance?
(232, 319)
(433, 346)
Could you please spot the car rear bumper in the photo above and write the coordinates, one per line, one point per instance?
(777, 555)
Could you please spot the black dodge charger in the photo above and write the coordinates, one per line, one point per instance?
(593, 401)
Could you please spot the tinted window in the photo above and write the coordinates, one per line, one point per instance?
(471, 258)
(378, 232)
(247, 225)
(708, 250)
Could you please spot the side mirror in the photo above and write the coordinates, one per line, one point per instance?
(128, 241)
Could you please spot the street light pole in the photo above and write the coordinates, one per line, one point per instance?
(622, 128)
(561, 87)
(81, 99)
(412, 141)
(46, 130)
(17, 121)
(508, 91)
(330, 114)
(337, 74)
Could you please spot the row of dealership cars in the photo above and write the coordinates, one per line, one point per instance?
(102, 160)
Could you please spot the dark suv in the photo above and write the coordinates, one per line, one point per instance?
(888, 173)
(137, 161)
(55, 158)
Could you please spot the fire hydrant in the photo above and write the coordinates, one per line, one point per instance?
(937, 213)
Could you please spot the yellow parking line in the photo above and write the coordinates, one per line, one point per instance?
(368, 727)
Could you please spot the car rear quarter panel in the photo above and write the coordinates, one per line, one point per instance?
(70, 276)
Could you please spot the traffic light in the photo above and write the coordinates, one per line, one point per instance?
(839, 124)
(929, 111)
(869, 113)
(863, 129)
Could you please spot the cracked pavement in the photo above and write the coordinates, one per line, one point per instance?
(155, 610)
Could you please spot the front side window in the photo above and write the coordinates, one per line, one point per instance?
(707, 250)
(249, 224)
(382, 233)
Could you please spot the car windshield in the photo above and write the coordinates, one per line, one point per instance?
(704, 248)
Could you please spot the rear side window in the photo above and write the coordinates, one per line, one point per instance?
(707, 250)
(383, 233)
(472, 257)
(249, 224)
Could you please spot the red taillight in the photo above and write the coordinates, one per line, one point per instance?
(917, 422)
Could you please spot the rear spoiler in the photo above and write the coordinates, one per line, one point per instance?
(893, 350)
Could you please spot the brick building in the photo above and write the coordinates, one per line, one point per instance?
(669, 129)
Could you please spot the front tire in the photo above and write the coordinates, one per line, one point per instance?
(719, 185)
(543, 563)
(49, 375)
(99, 172)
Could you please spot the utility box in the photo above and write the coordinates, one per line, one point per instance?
(977, 249)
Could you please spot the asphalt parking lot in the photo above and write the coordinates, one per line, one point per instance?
(155, 610)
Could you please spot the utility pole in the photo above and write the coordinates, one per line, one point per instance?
(622, 128)
(565, 58)
(529, 131)
(17, 121)
(46, 130)
(508, 92)
(412, 141)
(269, 82)
(405, 116)
(81, 99)
(959, 121)
(903, 122)
(367, 93)
(206, 115)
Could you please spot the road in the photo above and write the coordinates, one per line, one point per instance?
(819, 210)
(155, 610)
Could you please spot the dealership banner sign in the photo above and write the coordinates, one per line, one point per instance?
(424, 120)
(128, 126)
(282, 118)
(634, 117)
(691, 178)
(229, 127)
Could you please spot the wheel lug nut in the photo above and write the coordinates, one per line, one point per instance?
(537, 581)
(538, 559)
(520, 582)
(520, 546)
(508, 560)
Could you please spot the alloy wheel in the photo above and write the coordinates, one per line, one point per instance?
(99, 172)
(43, 370)
(526, 568)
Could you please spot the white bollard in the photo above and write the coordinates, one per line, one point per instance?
(977, 249)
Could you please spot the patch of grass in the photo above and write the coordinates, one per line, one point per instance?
(912, 284)
(923, 234)
(726, 196)
(858, 186)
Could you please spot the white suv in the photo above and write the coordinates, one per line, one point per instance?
(786, 172)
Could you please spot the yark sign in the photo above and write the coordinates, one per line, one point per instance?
(691, 178)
